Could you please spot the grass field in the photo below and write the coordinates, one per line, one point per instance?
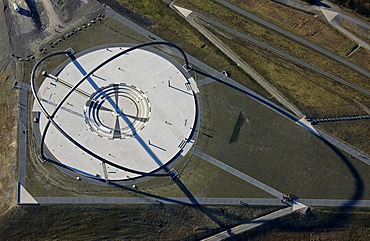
(8, 137)
(223, 120)
(315, 95)
(356, 29)
(272, 38)
(173, 28)
(267, 147)
(171, 222)
(278, 152)
(205, 180)
(315, 29)
(199, 177)
(46, 180)
(356, 133)
(302, 87)
(131, 222)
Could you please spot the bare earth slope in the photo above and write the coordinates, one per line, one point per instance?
(8, 113)
(21, 34)
(40, 21)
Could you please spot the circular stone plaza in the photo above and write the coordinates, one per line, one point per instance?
(116, 112)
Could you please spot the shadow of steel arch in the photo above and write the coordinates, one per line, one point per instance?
(344, 211)
(50, 117)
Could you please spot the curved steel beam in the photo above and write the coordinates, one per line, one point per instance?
(51, 117)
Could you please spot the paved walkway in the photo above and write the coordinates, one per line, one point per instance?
(339, 144)
(298, 5)
(248, 226)
(22, 139)
(159, 200)
(205, 81)
(356, 21)
(331, 17)
(233, 84)
(295, 37)
(335, 202)
(282, 54)
(205, 201)
(207, 69)
(241, 63)
(237, 173)
(201, 201)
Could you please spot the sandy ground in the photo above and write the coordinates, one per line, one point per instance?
(54, 21)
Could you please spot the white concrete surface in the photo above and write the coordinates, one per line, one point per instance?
(185, 12)
(24, 197)
(251, 225)
(307, 125)
(329, 15)
(299, 206)
(166, 132)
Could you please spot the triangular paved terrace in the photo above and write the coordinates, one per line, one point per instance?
(329, 15)
(185, 12)
(24, 197)
(299, 206)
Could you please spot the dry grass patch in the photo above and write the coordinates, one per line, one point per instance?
(314, 94)
(354, 133)
(356, 29)
(278, 152)
(170, 26)
(117, 222)
(313, 28)
(46, 180)
(274, 39)
(8, 137)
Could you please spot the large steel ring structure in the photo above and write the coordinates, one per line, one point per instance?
(116, 112)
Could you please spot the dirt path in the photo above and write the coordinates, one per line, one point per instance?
(54, 20)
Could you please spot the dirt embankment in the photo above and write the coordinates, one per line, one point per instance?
(121, 9)
(40, 21)
(21, 34)
(4, 40)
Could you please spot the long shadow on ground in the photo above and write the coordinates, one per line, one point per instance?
(338, 220)
(309, 224)
(34, 13)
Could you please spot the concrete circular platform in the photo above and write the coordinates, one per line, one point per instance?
(117, 111)
(138, 112)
